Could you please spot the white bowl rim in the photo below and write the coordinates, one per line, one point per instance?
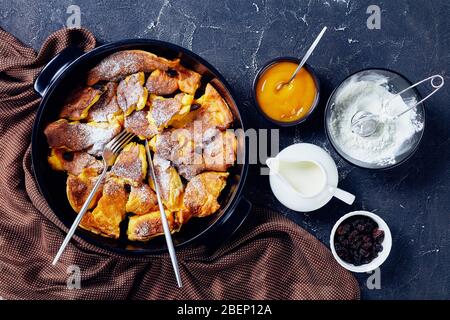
(382, 256)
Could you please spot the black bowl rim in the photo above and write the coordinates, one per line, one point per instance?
(331, 142)
(228, 209)
(264, 68)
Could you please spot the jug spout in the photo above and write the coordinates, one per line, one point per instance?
(273, 164)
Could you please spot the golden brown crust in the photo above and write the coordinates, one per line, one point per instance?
(75, 136)
(105, 219)
(138, 123)
(79, 102)
(169, 182)
(161, 83)
(79, 186)
(142, 200)
(214, 111)
(131, 95)
(106, 108)
(131, 164)
(200, 196)
(219, 150)
(148, 226)
(188, 80)
(164, 111)
(120, 64)
(194, 152)
(73, 162)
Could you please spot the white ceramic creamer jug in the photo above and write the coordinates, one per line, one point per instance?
(304, 178)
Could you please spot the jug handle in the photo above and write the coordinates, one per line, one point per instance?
(342, 195)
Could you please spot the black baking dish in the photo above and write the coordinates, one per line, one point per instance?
(69, 69)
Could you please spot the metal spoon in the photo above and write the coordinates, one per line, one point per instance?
(365, 123)
(308, 53)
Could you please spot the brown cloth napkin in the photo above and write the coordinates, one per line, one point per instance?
(270, 258)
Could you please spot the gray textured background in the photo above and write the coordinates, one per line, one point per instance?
(237, 37)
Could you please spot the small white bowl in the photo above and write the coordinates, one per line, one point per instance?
(382, 256)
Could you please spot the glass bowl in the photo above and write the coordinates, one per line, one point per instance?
(395, 83)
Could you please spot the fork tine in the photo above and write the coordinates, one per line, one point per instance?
(124, 143)
(119, 141)
(113, 141)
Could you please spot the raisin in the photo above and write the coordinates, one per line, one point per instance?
(352, 235)
(127, 188)
(378, 235)
(172, 73)
(361, 227)
(68, 156)
(378, 248)
(343, 229)
(195, 106)
(358, 240)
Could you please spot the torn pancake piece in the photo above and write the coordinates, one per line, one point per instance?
(131, 94)
(188, 81)
(123, 63)
(169, 182)
(148, 226)
(138, 123)
(75, 136)
(161, 83)
(106, 108)
(131, 164)
(214, 111)
(200, 197)
(73, 162)
(78, 188)
(182, 148)
(219, 149)
(110, 210)
(77, 105)
(163, 111)
(142, 200)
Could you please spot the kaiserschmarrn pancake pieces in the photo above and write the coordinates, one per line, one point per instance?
(200, 196)
(153, 98)
(131, 164)
(79, 102)
(73, 162)
(148, 226)
(141, 124)
(79, 186)
(142, 200)
(105, 219)
(106, 108)
(78, 136)
(131, 94)
(163, 111)
(120, 64)
(169, 183)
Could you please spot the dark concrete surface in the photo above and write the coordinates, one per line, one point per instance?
(237, 37)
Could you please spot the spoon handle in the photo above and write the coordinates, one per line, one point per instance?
(308, 53)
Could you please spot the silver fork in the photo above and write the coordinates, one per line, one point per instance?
(109, 154)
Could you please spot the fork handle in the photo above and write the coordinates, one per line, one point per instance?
(80, 215)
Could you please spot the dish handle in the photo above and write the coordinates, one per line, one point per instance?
(55, 68)
(226, 231)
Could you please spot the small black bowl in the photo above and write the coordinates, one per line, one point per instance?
(316, 82)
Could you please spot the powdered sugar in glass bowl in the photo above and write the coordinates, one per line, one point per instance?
(395, 140)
